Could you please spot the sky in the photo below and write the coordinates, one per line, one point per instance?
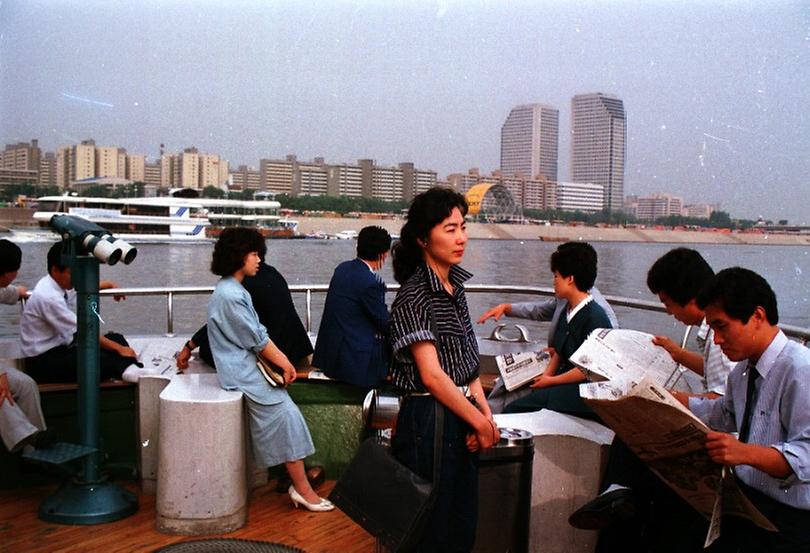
(717, 94)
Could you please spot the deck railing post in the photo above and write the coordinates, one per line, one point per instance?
(170, 314)
(309, 309)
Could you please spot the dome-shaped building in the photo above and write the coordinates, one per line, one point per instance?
(492, 203)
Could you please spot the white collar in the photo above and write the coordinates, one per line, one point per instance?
(570, 314)
(768, 357)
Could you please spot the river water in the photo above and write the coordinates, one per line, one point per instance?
(622, 271)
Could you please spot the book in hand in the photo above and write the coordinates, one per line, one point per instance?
(272, 374)
(519, 368)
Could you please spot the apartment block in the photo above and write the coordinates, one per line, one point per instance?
(135, 169)
(659, 205)
(47, 169)
(699, 211)
(599, 136)
(245, 178)
(366, 179)
(22, 156)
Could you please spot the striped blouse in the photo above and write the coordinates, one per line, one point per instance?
(411, 323)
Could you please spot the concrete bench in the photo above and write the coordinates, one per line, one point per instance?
(156, 353)
(201, 481)
(569, 458)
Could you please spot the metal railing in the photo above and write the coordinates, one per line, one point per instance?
(798, 333)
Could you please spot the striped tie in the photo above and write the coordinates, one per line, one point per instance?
(745, 429)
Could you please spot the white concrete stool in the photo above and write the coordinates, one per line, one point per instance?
(201, 484)
(569, 457)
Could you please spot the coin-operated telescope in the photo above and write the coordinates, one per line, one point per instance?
(88, 498)
(90, 238)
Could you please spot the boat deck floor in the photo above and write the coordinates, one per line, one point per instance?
(271, 518)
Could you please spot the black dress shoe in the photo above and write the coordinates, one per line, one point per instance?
(604, 510)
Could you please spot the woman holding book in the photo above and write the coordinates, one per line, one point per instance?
(574, 268)
(277, 428)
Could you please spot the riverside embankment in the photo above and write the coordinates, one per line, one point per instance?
(564, 233)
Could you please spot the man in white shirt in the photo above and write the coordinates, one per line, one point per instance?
(48, 325)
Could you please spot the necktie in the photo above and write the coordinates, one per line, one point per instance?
(749, 401)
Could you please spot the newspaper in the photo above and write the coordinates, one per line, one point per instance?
(656, 426)
(519, 368)
(626, 355)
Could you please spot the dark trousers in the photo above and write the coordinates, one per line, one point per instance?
(739, 535)
(664, 523)
(60, 364)
(452, 522)
(563, 399)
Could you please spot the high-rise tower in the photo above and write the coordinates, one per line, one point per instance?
(598, 138)
(529, 139)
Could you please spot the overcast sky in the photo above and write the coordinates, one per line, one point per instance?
(717, 95)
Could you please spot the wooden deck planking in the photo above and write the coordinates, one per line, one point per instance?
(271, 517)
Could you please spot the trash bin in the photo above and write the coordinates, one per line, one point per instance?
(504, 494)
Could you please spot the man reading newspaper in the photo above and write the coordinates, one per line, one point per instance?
(628, 486)
(767, 406)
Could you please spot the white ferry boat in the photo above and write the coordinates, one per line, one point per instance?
(169, 218)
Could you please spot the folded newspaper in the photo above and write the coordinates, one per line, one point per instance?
(519, 368)
(635, 404)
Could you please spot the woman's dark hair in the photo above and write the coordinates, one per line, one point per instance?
(10, 257)
(427, 210)
(232, 247)
(577, 259)
(680, 274)
(738, 292)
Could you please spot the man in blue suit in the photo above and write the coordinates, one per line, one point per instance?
(352, 336)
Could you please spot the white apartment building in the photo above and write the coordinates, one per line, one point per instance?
(580, 196)
(659, 205)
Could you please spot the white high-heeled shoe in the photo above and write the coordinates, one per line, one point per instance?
(297, 499)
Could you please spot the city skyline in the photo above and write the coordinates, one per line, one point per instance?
(716, 93)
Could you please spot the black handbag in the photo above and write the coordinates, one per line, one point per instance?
(385, 497)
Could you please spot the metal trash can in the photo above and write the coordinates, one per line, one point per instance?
(504, 494)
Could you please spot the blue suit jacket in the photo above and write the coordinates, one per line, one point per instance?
(352, 336)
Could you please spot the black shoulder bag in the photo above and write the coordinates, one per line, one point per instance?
(385, 497)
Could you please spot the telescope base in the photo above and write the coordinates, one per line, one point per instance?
(82, 503)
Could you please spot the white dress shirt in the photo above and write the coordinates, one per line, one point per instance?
(48, 319)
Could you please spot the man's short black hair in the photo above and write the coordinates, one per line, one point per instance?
(55, 258)
(10, 257)
(738, 292)
(372, 242)
(577, 259)
(231, 248)
(680, 274)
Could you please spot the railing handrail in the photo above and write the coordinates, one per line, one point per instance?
(797, 332)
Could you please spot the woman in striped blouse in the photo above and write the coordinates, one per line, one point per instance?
(435, 366)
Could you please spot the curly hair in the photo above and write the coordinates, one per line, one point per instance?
(427, 210)
(232, 247)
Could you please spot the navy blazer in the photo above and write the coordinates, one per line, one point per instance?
(354, 327)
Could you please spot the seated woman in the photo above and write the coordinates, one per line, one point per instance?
(277, 428)
(574, 268)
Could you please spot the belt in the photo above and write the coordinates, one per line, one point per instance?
(465, 391)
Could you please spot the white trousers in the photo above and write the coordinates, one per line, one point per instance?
(24, 418)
